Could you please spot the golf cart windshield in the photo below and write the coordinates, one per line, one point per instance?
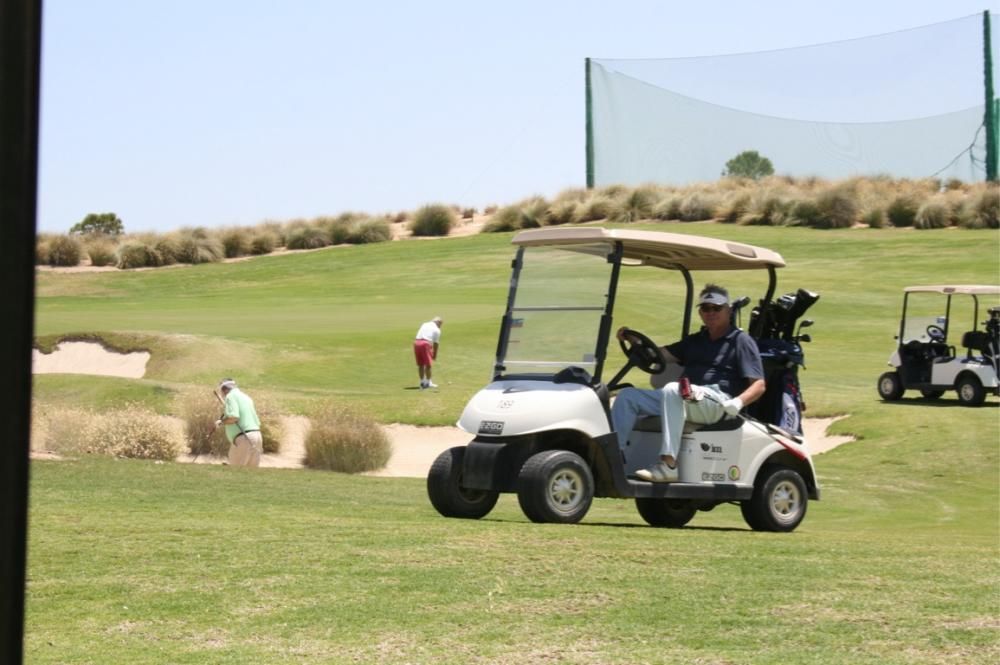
(557, 300)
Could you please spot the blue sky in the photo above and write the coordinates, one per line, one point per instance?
(223, 112)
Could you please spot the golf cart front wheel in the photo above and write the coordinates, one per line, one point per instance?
(779, 500)
(555, 486)
(671, 513)
(890, 386)
(444, 488)
(970, 391)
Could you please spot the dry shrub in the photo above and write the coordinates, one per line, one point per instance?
(196, 247)
(838, 208)
(986, 208)
(533, 212)
(902, 210)
(134, 432)
(562, 212)
(668, 207)
(698, 206)
(58, 429)
(263, 242)
(307, 237)
(468, 213)
(341, 439)
(433, 220)
(369, 230)
(199, 410)
(42, 249)
(875, 218)
(101, 250)
(636, 205)
(934, 213)
(137, 254)
(507, 218)
(235, 242)
(64, 251)
(597, 207)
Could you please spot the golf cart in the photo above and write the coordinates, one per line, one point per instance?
(543, 427)
(926, 359)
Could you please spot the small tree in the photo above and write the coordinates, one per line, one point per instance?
(105, 223)
(749, 164)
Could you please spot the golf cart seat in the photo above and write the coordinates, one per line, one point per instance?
(977, 341)
(655, 424)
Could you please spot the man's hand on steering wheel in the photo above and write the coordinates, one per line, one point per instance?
(641, 351)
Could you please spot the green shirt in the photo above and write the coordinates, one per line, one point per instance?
(239, 405)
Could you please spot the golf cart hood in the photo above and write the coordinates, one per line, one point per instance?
(515, 407)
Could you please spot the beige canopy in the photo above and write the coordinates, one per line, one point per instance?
(657, 248)
(964, 289)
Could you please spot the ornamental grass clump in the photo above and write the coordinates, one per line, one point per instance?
(134, 432)
(196, 247)
(636, 205)
(199, 411)
(933, 213)
(263, 242)
(137, 254)
(341, 439)
(307, 237)
(902, 210)
(101, 251)
(433, 220)
(369, 230)
(235, 242)
(64, 251)
(507, 218)
(986, 208)
(599, 206)
(837, 209)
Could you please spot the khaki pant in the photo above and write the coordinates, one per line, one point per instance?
(245, 450)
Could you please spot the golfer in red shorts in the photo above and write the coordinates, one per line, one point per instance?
(425, 348)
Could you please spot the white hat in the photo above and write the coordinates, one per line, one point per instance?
(714, 298)
(227, 384)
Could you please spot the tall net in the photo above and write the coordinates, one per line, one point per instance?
(906, 104)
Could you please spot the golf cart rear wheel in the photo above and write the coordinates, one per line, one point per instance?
(555, 486)
(779, 500)
(890, 386)
(970, 390)
(444, 488)
(671, 513)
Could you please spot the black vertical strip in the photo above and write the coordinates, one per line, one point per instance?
(590, 126)
(20, 43)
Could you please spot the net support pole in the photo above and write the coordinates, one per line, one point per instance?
(589, 125)
(991, 106)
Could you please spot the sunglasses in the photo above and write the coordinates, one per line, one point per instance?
(710, 308)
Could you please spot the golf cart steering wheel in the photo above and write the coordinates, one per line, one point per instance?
(936, 333)
(642, 352)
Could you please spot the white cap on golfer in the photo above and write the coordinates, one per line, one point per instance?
(227, 384)
(714, 298)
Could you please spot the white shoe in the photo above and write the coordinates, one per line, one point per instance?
(431, 384)
(658, 473)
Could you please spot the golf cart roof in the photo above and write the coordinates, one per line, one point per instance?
(964, 289)
(657, 248)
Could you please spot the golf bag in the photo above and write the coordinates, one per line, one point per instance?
(782, 402)
(772, 325)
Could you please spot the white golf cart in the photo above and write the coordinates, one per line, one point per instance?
(543, 429)
(925, 357)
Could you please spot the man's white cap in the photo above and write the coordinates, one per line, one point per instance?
(714, 298)
(436, 319)
(227, 384)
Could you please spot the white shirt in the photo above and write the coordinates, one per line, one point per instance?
(430, 332)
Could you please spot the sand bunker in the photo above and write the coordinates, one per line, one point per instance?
(89, 358)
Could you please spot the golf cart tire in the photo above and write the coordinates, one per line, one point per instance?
(444, 488)
(555, 486)
(670, 513)
(890, 386)
(931, 394)
(779, 500)
(970, 390)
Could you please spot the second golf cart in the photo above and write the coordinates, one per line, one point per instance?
(542, 428)
(926, 357)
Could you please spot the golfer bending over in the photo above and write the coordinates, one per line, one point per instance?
(720, 360)
(242, 425)
(425, 348)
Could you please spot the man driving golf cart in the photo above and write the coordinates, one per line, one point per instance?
(543, 426)
(722, 373)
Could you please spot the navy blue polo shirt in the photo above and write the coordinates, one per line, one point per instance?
(729, 361)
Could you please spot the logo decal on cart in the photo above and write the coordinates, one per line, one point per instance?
(734, 473)
(491, 427)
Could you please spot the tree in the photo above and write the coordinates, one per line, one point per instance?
(105, 223)
(749, 164)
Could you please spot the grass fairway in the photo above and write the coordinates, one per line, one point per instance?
(138, 562)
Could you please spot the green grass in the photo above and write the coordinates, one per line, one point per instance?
(141, 562)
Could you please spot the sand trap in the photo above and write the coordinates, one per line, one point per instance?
(89, 358)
